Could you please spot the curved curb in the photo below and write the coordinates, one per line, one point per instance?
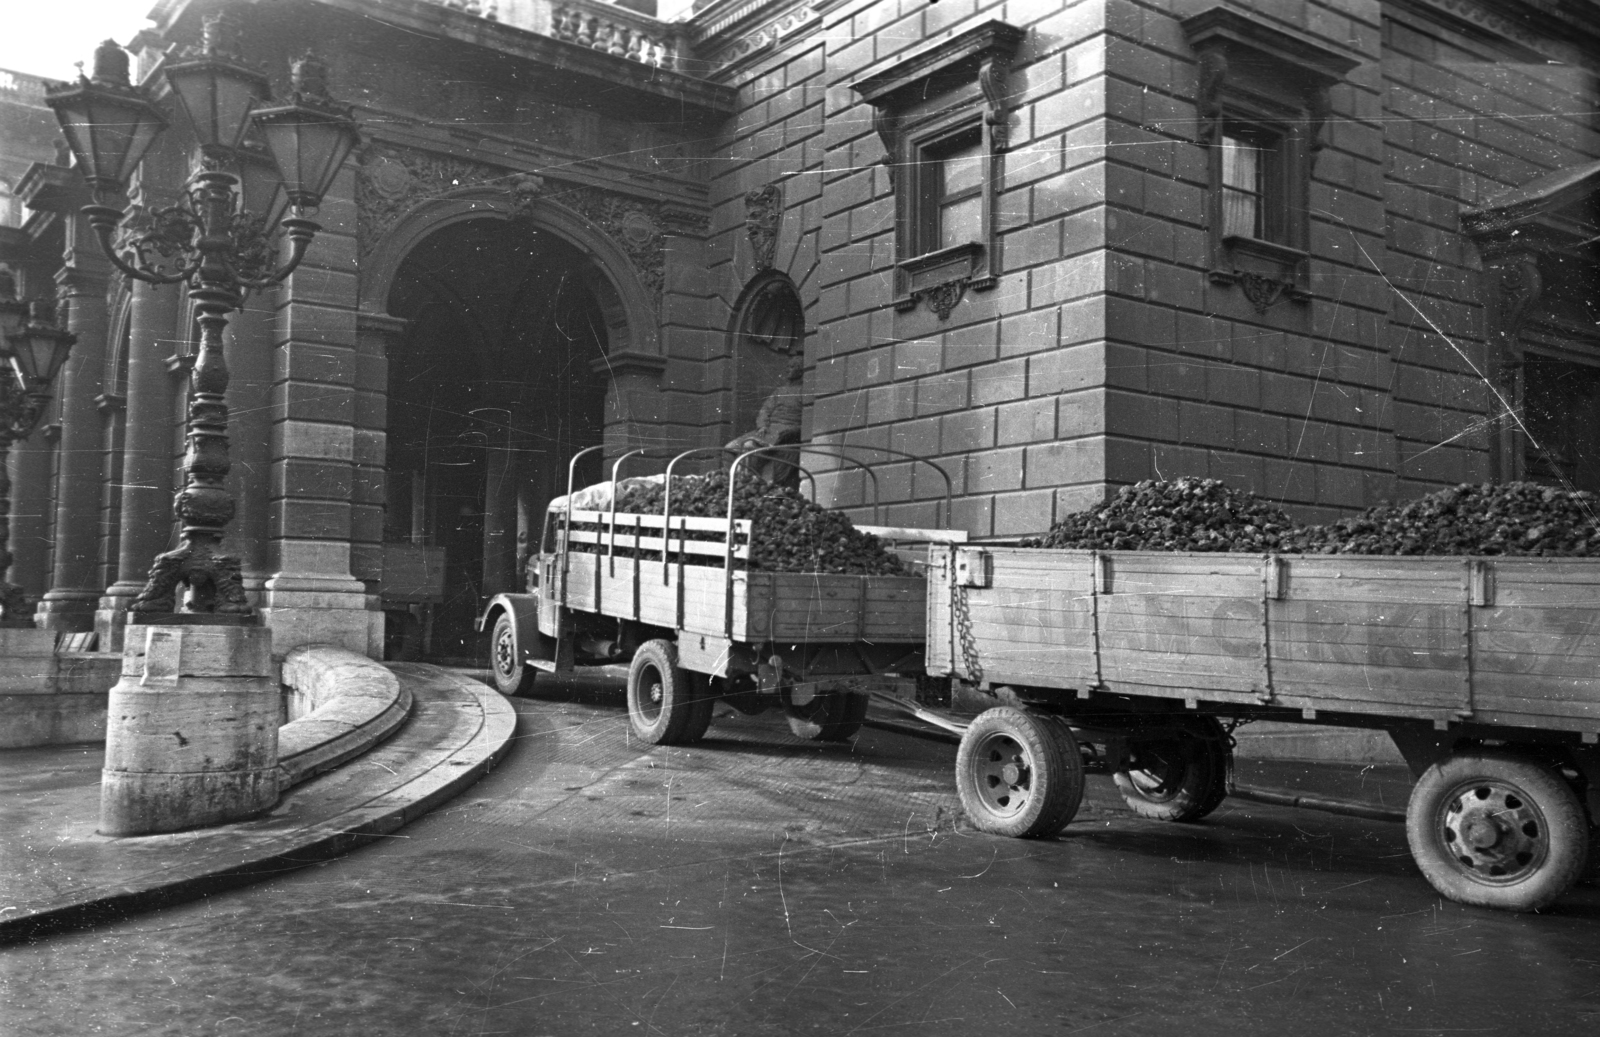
(355, 704)
(479, 724)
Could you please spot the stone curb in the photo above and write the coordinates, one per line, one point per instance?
(453, 770)
(355, 704)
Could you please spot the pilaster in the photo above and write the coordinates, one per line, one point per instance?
(145, 482)
(312, 594)
(75, 588)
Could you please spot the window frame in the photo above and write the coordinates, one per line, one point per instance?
(1255, 78)
(953, 90)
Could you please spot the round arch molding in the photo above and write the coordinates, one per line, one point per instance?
(629, 311)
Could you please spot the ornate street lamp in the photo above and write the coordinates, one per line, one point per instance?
(219, 239)
(32, 350)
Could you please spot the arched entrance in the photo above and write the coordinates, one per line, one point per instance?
(498, 379)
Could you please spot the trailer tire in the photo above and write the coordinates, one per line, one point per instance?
(832, 716)
(1019, 774)
(661, 695)
(511, 676)
(1495, 830)
(1182, 779)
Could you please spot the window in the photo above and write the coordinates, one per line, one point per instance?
(951, 180)
(1262, 103)
(941, 114)
(1249, 206)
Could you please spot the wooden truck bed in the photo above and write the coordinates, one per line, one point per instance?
(602, 576)
(1505, 641)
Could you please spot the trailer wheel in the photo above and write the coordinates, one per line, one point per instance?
(661, 695)
(1019, 774)
(1181, 778)
(510, 675)
(828, 716)
(1496, 831)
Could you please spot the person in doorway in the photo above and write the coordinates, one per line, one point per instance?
(777, 424)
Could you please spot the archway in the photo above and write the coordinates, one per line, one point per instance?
(498, 379)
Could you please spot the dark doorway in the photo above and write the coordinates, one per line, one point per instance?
(497, 382)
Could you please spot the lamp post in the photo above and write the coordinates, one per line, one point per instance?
(32, 350)
(219, 239)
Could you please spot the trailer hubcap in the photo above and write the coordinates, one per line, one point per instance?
(1004, 771)
(1494, 831)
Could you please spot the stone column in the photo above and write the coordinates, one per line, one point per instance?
(146, 477)
(376, 333)
(31, 461)
(312, 595)
(248, 348)
(75, 588)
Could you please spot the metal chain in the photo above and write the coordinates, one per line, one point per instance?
(969, 644)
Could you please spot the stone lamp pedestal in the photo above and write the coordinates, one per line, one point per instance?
(192, 726)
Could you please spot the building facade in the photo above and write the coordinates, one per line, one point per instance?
(1333, 251)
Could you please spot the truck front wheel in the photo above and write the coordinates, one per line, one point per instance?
(662, 697)
(510, 675)
(1019, 774)
(1182, 777)
(1495, 830)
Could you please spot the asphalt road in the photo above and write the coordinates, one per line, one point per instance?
(758, 885)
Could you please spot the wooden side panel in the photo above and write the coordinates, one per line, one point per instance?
(1536, 649)
(828, 607)
(1186, 621)
(1033, 624)
(1370, 635)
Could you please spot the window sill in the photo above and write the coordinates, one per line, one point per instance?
(943, 276)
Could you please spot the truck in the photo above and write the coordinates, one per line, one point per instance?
(1050, 663)
(673, 598)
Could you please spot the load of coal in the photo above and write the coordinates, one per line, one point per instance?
(1186, 514)
(787, 532)
(1518, 518)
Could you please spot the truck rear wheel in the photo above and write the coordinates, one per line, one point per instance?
(510, 675)
(1182, 777)
(661, 695)
(1495, 830)
(1019, 774)
(700, 709)
(828, 716)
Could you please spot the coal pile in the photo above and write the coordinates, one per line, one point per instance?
(1518, 518)
(1173, 515)
(787, 532)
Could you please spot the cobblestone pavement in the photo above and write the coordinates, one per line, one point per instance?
(758, 885)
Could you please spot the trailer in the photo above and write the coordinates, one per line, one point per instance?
(673, 598)
(1484, 671)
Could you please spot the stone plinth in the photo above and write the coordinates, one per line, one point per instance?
(191, 730)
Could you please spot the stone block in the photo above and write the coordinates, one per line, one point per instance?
(1065, 462)
(330, 480)
(1022, 514)
(1027, 421)
(942, 392)
(314, 440)
(1066, 369)
(966, 431)
(995, 470)
(192, 732)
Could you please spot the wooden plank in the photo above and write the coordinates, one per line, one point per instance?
(1433, 687)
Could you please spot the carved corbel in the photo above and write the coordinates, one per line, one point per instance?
(763, 212)
(887, 127)
(994, 81)
(1213, 75)
(1318, 108)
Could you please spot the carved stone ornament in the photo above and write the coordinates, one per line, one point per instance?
(1261, 290)
(1516, 285)
(391, 182)
(763, 212)
(942, 298)
(523, 190)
